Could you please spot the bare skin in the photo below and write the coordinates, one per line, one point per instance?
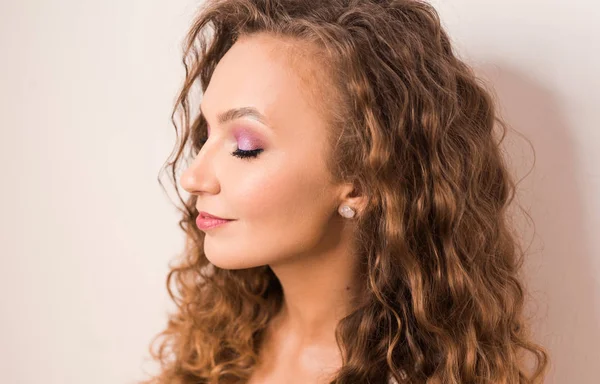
(283, 361)
(283, 203)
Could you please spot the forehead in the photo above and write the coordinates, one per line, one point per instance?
(269, 74)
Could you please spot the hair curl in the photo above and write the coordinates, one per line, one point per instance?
(414, 130)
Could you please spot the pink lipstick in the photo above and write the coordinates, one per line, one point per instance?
(206, 221)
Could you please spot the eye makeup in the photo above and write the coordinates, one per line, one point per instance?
(248, 144)
(246, 139)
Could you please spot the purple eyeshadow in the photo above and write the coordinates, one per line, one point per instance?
(246, 140)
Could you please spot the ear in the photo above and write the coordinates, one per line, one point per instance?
(351, 195)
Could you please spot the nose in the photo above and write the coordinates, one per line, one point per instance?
(199, 177)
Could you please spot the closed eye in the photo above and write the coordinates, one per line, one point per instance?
(246, 154)
(239, 153)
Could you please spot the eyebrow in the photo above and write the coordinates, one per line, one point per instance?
(236, 113)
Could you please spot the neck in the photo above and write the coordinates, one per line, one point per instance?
(317, 291)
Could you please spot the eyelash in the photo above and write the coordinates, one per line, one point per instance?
(240, 153)
(246, 155)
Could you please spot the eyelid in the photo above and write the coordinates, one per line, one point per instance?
(243, 154)
(247, 155)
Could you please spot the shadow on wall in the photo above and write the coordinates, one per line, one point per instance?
(557, 269)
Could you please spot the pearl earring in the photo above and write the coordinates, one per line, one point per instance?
(346, 211)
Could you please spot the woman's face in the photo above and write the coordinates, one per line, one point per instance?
(282, 201)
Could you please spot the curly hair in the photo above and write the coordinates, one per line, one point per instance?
(416, 131)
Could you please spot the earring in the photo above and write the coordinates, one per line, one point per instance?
(346, 211)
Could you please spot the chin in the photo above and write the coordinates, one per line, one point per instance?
(231, 263)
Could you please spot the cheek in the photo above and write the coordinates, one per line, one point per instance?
(283, 207)
(274, 193)
(283, 212)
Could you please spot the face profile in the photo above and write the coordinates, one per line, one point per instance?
(268, 175)
(355, 160)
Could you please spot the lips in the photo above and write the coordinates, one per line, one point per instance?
(206, 221)
(206, 215)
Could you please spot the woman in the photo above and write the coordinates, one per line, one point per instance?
(355, 160)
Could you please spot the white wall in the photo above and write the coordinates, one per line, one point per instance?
(86, 90)
(86, 95)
